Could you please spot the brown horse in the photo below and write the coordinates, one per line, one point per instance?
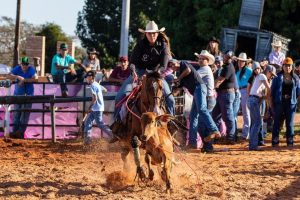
(149, 99)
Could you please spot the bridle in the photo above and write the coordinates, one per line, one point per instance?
(155, 85)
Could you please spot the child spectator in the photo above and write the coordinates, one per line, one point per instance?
(95, 110)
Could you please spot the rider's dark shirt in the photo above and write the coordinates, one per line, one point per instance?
(149, 57)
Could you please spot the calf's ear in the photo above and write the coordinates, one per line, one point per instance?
(164, 118)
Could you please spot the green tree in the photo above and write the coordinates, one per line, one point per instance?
(282, 16)
(53, 33)
(99, 24)
(190, 24)
(7, 36)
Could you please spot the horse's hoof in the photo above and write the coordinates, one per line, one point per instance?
(141, 174)
(151, 175)
(163, 175)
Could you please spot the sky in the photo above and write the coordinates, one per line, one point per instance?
(37, 12)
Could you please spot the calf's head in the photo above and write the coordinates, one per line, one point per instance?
(149, 123)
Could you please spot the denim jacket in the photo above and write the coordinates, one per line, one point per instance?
(276, 89)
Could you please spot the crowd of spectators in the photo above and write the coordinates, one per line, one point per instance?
(221, 86)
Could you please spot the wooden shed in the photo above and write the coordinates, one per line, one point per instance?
(248, 37)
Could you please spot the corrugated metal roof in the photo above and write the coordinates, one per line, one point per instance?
(251, 13)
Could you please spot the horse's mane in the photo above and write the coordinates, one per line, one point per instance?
(155, 75)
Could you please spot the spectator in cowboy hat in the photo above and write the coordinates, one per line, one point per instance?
(120, 73)
(192, 81)
(92, 62)
(276, 56)
(148, 55)
(285, 91)
(213, 46)
(205, 59)
(243, 73)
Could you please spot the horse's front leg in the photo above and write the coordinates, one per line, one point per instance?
(135, 143)
(124, 156)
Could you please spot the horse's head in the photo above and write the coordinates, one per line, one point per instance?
(152, 92)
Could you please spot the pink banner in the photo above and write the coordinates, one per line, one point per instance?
(61, 118)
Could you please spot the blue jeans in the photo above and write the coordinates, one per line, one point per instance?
(126, 88)
(60, 77)
(246, 113)
(256, 122)
(20, 119)
(236, 107)
(88, 125)
(211, 102)
(262, 133)
(224, 110)
(200, 115)
(287, 110)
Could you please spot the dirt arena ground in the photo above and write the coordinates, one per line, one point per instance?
(35, 169)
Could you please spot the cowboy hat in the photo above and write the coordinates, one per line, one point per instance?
(204, 53)
(151, 27)
(92, 50)
(277, 43)
(243, 57)
(214, 39)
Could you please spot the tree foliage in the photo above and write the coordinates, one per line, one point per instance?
(99, 24)
(189, 23)
(53, 33)
(7, 37)
(282, 16)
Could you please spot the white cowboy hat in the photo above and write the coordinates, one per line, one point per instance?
(204, 53)
(243, 57)
(277, 43)
(151, 27)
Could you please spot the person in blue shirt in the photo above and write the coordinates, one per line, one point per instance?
(243, 74)
(24, 76)
(95, 110)
(61, 65)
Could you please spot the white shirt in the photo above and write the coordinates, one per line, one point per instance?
(276, 58)
(208, 78)
(258, 85)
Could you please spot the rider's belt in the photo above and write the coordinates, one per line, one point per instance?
(227, 90)
(210, 97)
(243, 87)
(255, 96)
